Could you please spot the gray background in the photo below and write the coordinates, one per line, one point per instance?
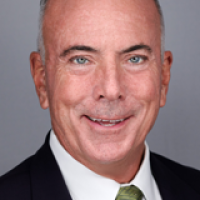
(23, 124)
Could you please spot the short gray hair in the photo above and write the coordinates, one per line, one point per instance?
(40, 39)
(162, 27)
(40, 42)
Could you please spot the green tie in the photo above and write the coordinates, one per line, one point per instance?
(129, 193)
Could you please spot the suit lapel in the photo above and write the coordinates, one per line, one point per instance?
(46, 179)
(170, 185)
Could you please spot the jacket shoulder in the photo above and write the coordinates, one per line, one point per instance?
(179, 168)
(187, 174)
(16, 180)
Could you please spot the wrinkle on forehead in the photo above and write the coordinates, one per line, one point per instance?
(64, 17)
(122, 9)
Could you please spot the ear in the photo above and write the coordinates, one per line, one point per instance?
(38, 74)
(165, 76)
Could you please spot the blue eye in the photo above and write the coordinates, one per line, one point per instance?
(136, 59)
(80, 61)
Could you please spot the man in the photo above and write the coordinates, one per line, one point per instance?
(102, 71)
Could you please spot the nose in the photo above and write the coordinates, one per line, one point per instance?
(109, 86)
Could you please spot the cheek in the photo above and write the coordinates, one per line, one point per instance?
(70, 89)
(144, 86)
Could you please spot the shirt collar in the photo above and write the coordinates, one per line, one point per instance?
(84, 184)
(144, 179)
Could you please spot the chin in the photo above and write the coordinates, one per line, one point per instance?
(108, 153)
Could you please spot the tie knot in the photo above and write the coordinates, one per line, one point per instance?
(129, 193)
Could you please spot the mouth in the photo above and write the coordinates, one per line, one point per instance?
(106, 122)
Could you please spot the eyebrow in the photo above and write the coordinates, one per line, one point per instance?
(137, 47)
(77, 48)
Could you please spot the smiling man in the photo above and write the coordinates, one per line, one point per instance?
(102, 71)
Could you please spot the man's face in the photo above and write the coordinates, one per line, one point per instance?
(103, 78)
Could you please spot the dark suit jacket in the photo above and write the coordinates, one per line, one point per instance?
(39, 178)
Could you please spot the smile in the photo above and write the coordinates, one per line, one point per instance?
(104, 122)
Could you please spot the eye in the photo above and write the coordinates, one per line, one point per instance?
(79, 60)
(137, 59)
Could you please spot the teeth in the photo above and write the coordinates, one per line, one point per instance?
(93, 119)
(103, 120)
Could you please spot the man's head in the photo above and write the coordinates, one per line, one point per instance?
(103, 79)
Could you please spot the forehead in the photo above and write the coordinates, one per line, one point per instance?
(88, 19)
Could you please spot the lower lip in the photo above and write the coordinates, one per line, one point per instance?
(116, 126)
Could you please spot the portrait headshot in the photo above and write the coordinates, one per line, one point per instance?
(99, 100)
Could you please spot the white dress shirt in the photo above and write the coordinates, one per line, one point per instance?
(84, 184)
